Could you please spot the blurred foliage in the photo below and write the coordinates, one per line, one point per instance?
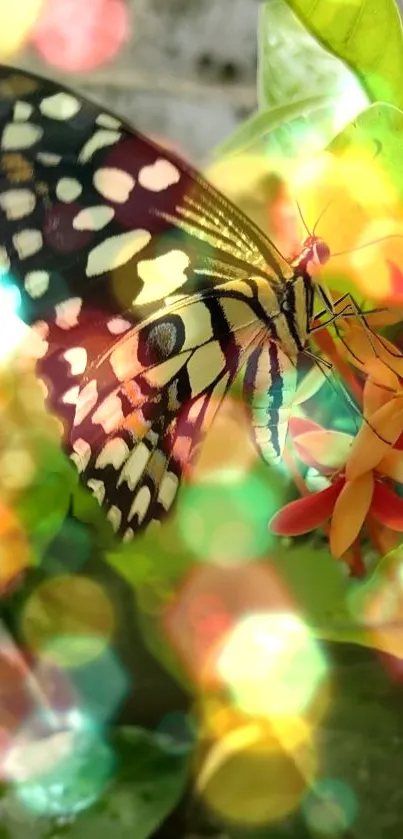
(366, 35)
(149, 779)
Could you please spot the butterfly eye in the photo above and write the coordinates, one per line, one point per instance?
(321, 251)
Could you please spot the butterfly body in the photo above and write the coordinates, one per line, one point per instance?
(150, 293)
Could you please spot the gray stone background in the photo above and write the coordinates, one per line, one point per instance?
(187, 72)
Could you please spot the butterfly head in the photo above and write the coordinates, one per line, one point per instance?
(317, 249)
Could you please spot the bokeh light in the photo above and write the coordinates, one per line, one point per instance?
(272, 665)
(253, 777)
(14, 549)
(12, 329)
(360, 203)
(16, 702)
(227, 454)
(59, 764)
(100, 684)
(210, 604)
(103, 29)
(68, 619)
(18, 20)
(330, 807)
(350, 102)
(225, 521)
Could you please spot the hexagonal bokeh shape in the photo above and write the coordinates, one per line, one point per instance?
(101, 685)
(272, 665)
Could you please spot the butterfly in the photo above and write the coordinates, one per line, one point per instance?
(150, 292)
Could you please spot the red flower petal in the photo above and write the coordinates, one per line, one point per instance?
(307, 513)
(387, 507)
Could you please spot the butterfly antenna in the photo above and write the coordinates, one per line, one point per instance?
(320, 217)
(368, 244)
(302, 218)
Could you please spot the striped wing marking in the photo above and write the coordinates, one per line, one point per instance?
(269, 388)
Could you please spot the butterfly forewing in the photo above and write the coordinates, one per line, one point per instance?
(149, 289)
(90, 208)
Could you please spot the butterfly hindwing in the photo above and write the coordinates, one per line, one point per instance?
(269, 386)
(147, 403)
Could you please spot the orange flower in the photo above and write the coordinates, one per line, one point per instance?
(348, 502)
(379, 442)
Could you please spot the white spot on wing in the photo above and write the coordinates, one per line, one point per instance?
(22, 111)
(93, 218)
(140, 504)
(27, 242)
(113, 184)
(4, 260)
(68, 189)
(109, 413)
(60, 106)
(114, 453)
(128, 535)
(116, 251)
(67, 313)
(162, 275)
(114, 515)
(82, 454)
(77, 359)
(17, 203)
(159, 176)
(98, 140)
(87, 399)
(108, 121)
(117, 325)
(36, 283)
(71, 396)
(20, 135)
(168, 490)
(135, 465)
(48, 158)
(98, 489)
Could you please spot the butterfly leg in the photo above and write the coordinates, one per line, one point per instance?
(350, 309)
(326, 369)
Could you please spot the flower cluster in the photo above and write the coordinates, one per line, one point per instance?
(361, 476)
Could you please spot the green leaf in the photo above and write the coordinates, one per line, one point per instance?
(149, 782)
(262, 123)
(378, 133)
(366, 35)
(315, 580)
(293, 66)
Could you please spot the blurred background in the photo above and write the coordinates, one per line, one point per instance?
(184, 70)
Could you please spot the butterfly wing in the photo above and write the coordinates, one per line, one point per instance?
(269, 387)
(100, 229)
(147, 402)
